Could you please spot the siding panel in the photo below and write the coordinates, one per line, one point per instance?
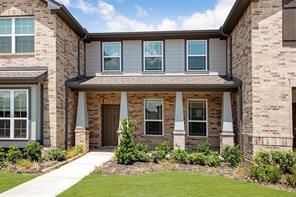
(217, 56)
(132, 56)
(93, 58)
(175, 56)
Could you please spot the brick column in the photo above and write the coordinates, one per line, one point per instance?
(179, 127)
(123, 111)
(227, 134)
(81, 130)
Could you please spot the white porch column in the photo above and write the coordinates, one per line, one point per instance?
(227, 134)
(179, 128)
(123, 114)
(81, 130)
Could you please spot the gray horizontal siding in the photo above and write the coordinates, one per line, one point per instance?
(175, 56)
(132, 56)
(93, 58)
(217, 56)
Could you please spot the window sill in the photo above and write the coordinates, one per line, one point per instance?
(153, 72)
(197, 137)
(17, 54)
(197, 72)
(110, 72)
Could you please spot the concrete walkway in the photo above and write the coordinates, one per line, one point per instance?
(57, 181)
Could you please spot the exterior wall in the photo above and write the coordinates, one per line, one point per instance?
(95, 100)
(174, 57)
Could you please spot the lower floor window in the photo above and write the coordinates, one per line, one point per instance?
(153, 117)
(197, 118)
(13, 113)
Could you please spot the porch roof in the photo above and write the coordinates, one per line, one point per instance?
(16, 75)
(155, 83)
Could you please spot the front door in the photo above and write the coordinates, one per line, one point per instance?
(110, 124)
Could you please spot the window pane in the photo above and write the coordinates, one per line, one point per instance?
(111, 49)
(24, 26)
(153, 128)
(24, 44)
(4, 104)
(20, 104)
(5, 26)
(4, 128)
(153, 48)
(153, 110)
(153, 63)
(196, 47)
(112, 63)
(5, 44)
(197, 110)
(20, 128)
(197, 128)
(197, 63)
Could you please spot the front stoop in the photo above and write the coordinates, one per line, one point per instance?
(82, 138)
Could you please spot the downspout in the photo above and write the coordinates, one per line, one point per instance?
(78, 61)
(229, 75)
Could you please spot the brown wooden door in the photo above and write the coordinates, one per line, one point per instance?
(110, 124)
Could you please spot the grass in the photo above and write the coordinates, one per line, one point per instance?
(9, 180)
(169, 184)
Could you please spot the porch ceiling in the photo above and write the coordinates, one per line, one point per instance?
(155, 83)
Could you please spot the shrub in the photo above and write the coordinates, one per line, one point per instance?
(213, 159)
(2, 154)
(74, 151)
(291, 179)
(13, 154)
(180, 156)
(33, 151)
(197, 158)
(232, 155)
(204, 148)
(24, 163)
(141, 153)
(160, 151)
(57, 154)
(263, 157)
(125, 152)
(265, 173)
(285, 159)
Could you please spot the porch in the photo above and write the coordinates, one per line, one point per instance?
(184, 116)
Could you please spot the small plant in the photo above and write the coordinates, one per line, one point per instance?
(125, 152)
(291, 179)
(263, 157)
(204, 148)
(33, 151)
(197, 158)
(13, 154)
(161, 151)
(232, 155)
(180, 156)
(213, 159)
(24, 163)
(285, 159)
(141, 152)
(265, 173)
(74, 151)
(2, 154)
(57, 154)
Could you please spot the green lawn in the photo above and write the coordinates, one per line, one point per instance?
(9, 180)
(168, 184)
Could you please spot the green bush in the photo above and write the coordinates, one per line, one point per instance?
(13, 154)
(204, 148)
(161, 151)
(125, 152)
(263, 157)
(74, 151)
(213, 159)
(57, 154)
(291, 179)
(2, 154)
(141, 153)
(180, 156)
(33, 151)
(232, 155)
(197, 158)
(285, 159)
(265, 173)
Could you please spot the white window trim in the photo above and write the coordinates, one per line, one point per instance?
(162, 117)
(206, 121)
(144, 55)
(187, 55)
(12, 118)
(13, 35)
(103, 57)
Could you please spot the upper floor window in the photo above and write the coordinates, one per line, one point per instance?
(17, 35)
(153, 56)
(111, 56)
(196, 55)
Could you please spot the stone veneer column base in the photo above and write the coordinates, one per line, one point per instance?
(179, 139)
(226, 139)
(82, 138)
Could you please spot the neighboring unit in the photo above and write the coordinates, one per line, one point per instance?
(63, 86)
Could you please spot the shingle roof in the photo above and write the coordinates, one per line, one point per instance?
(24, 75)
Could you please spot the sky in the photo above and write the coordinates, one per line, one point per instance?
(148, 15)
